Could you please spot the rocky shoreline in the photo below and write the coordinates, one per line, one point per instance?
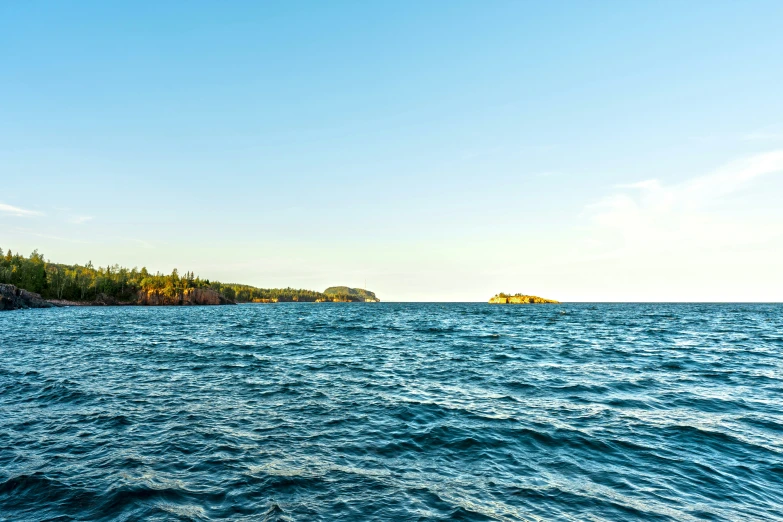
(13, 298)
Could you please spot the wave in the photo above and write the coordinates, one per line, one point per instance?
(403, 412)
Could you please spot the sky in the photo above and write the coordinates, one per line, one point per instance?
(439, 151)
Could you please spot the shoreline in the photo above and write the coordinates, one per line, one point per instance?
(14, 298)
(34, 282)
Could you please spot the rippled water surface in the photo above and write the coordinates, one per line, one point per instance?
(392, 412)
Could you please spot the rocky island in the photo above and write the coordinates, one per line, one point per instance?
(502, 298)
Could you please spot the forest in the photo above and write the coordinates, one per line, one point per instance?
(88, 283)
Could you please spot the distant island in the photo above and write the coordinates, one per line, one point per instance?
(502, 298)
(345, 294)
(34, 282)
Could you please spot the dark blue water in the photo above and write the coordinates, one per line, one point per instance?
(393, 412)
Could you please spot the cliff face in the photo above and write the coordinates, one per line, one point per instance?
(13, 298)
(190, 296)
(520, 299)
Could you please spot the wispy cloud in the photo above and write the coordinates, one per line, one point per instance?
(16, 211)
(78, 220)
(649, 217)
(767, 134)
(733, 176)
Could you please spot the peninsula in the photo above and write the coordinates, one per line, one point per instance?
(502, 298)
(34, 282)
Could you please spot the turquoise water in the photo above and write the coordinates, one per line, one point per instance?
(393, 412)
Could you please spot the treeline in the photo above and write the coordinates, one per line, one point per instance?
(88, 283)
(250, 294)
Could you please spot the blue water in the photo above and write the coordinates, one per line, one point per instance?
(392, 412)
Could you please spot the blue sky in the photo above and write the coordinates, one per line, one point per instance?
(439, 150)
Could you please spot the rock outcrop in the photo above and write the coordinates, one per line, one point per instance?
(13, 298)
(520, 299)
(190, 296)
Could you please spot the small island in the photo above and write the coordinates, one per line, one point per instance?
(343, 294)
(502, 298)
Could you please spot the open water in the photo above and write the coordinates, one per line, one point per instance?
(393, 412)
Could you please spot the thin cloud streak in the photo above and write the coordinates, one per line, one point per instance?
(763, 136)
(19, 212)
